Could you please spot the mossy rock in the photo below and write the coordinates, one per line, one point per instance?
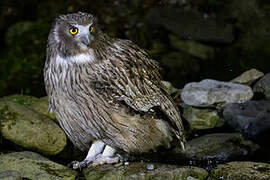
(30, 129)
(139, 171)
(40, 105)
(34, 166)
(241, 170)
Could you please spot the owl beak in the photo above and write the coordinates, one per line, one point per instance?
(85, 40)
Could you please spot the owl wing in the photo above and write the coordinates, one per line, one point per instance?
(135, 79)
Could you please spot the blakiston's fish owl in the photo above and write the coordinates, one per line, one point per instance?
(106, 92)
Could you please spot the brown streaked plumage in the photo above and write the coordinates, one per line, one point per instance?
(107, 89)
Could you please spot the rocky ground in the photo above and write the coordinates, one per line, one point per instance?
(227, 127)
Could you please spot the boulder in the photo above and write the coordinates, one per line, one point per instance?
(210, 92)
(139, 170)
(30, 129)
(219, 146)
(39, 104)
(248, 77)
(252, 118)
(202, 118)
(263, 86)
(34, 166)
(10, 175)
(240, 171)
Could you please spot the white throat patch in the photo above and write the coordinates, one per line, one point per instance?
(80, 58)
(83, 58)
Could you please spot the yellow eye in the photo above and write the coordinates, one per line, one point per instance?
(73, 30)
(91, 28)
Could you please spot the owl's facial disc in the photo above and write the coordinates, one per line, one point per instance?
(83, 35)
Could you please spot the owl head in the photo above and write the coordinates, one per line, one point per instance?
(74, 33)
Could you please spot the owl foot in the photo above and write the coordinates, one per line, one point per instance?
(95, 149)
(105, 160)
(107, 157)
(78, 164)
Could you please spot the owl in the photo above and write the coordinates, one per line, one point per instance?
(106, 92)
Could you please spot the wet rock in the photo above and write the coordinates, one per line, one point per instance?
(191, 25)
(220, 146)
(139, 171)
(240, 171)
(34, 166)
(202, 118)
(38, 104)
(210, 92)
(251, 118)
(263, 86)
(30, 129)
(248, 77)
(191, 47)
(10, 175)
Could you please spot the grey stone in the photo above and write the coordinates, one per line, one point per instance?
(251, 118)
(138, 171)
(263, 86)
(241, 171)
(210, 92)
(34, 166)
(219, 146)
(10, 175)
(248, 77)
(202, 118)
(191, 25)
(30, 129)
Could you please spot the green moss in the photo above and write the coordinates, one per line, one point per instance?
(7, 116)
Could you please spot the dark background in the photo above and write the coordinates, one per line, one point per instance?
(192, 39)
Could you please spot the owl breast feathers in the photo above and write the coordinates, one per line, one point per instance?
(107, 89)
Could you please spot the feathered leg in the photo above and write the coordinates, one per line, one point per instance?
(108, 157)
(95, 149)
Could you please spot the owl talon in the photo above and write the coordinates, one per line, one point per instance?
(79, 165)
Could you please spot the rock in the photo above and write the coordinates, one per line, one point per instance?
(30, 129)
(10, 175)
(191, 25)
(263, 86)
(241, 171)
(202, 118)
(191, 47)
(248, 77)
(251, 118)
(39, 104)
(210, 92)
(42, 105)
(34, 166)
(20, 99)
(138, 171)
(220, 146)
(178, 67)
